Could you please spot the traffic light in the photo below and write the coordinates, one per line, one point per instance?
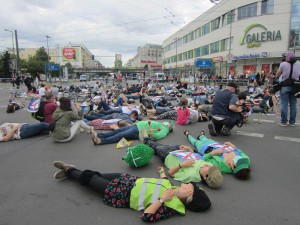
(74, 56)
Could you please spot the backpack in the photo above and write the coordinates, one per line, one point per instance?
(39, 115)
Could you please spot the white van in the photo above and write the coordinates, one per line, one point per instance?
(84, 77)
(160, 77)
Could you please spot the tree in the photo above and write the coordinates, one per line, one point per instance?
(4, 65)
(41, 55)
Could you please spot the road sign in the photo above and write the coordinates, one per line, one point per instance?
(203, 63)
(51, 67)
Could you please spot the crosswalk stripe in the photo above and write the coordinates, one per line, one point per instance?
(250, 134)
(265, 121)
(287, 139)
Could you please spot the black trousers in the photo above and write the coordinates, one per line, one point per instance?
(229, 123)
(93, 179)
(161, 150)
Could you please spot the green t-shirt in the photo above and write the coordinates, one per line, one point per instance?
(157, 134)
(218, 161)
(185, 174)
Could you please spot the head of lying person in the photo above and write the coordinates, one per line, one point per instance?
(241, 168)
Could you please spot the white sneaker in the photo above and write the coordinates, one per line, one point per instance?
(283, 124)
(291, 124)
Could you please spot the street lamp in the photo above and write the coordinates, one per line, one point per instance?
(229, 57)
(48, 54)
(12, 39)
(176, 39)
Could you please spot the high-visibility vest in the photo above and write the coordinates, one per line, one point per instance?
(148, 190)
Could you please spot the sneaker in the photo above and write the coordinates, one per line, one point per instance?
(212, 130)
(291, 124)
(61, 165)
(60, 174)
(225, 131)
(283, 124)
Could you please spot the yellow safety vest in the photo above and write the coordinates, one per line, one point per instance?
(148, 190)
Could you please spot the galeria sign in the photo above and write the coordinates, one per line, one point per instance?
(254, 39)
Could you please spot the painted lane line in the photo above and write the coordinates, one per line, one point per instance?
(250, 134)
(265, 121)
(287, 139)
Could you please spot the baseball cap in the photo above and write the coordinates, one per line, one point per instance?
(232, 84)
(243, 163)
(200, 200)
(290, 55)
(215, 178)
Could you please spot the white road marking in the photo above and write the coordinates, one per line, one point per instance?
(265, 121)
(250, 134)
(287, 139)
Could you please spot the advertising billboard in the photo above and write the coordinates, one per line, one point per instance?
(70, 54)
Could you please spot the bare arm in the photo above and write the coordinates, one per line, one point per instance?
(9, 135)
(174, 169)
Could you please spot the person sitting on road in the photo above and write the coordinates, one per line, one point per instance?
(134, 132)
(16, 131)
(186, 166)
(157, 197)
(226, 156)
(225, 113)
(183, 113)
(65, 129)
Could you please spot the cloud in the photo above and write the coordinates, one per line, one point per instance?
(104, 27)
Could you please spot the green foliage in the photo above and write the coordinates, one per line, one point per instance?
(41, 55)
(4, 65)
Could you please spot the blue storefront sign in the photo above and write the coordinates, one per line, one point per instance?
(203, 63)
(52, 67)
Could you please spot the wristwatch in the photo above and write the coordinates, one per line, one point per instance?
(161, 201)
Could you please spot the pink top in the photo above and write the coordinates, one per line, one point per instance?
(182, 115)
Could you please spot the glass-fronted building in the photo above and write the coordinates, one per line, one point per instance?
(239, 36)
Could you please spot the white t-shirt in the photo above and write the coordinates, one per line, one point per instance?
(42, 91)
(193, 115)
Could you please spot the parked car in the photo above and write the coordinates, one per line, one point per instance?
(84, 78)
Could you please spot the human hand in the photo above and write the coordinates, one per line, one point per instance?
(185, 147)
(168, 195)
(160, 169)
(218, 151)
(187, 163)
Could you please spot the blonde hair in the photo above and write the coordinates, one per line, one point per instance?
(189, 199)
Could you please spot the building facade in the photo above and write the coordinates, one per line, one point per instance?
(238, 36)
(149, 56)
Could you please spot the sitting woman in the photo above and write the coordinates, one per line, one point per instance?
(16, 131)
(13, 106)
(65, 129)
(158, 198)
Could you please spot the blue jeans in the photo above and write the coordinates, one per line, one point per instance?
(110, 111)
(129, 133)
(104, 105)
(199, 99)
(31, 130)
(119, 102)
(288, 98)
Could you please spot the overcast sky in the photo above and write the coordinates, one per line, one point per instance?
(104, 27)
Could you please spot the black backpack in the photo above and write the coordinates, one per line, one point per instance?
(39, 115)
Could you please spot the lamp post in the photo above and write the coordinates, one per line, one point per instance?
(229, 57)
(176, 39)
(48, 55)
(12, 39)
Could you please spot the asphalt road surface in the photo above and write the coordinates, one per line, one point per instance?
(29, 195)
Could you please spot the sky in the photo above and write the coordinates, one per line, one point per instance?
(104, 27)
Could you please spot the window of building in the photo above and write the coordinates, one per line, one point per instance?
(247, 11)
(294, 40)
(190, 54)
(267, 7)
(198, 33)
(215, 24)
(184, 56)
(204, 50)
(185, 38)
(214, 47)
(228, 18)
(205, 29)
(190, 37)
(148, 54)
(197, 52)
(159, 55)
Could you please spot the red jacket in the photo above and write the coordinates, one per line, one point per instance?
(49, 109)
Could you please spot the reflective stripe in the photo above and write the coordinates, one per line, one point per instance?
(142, 194)
(156, 190)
